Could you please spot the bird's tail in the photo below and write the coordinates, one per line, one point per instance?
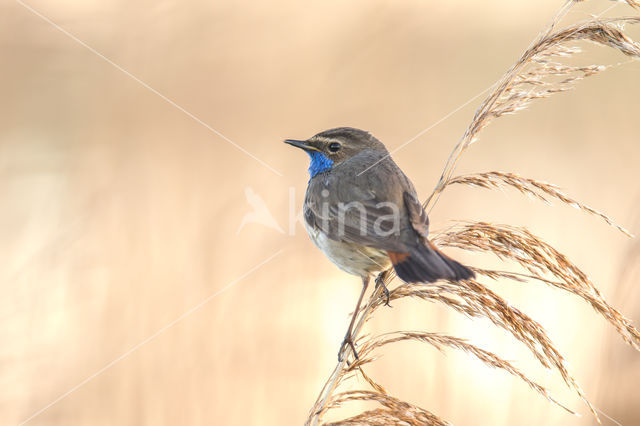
(425, 264)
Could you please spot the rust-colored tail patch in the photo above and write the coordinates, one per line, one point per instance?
(426, 264)
(397, 257)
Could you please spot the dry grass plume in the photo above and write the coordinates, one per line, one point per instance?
(539, 73)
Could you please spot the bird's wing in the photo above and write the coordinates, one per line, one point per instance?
(377, 208)
(417, 214)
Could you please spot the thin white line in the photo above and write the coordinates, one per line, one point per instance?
(145, 85)
(605, 11)
(608, 416)
(148, 339)
(455, 110)
(428, 128)
(370, 258)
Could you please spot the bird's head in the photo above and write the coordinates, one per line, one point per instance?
(331, 147)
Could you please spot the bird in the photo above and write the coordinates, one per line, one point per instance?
(364, 214)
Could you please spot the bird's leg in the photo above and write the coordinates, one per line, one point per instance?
(348, 338)
(380, 279)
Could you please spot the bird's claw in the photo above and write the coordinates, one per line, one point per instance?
(347, 341)
(380, 282)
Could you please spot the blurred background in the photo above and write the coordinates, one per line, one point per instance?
(137, 291)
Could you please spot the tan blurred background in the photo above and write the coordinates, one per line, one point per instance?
(121, 213)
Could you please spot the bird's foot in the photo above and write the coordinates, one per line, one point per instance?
(348, 341)
(380, 282)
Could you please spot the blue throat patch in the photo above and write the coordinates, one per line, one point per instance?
(319, 163)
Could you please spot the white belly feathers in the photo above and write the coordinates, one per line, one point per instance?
(352, 258)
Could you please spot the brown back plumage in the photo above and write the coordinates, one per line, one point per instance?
(378, 208)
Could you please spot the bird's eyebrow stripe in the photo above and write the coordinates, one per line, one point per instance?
(326, 140)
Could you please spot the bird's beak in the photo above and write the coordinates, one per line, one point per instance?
(301, 144)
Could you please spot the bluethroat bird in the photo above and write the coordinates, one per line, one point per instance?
(364, 214)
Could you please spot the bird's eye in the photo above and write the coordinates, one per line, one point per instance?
(334, 147)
